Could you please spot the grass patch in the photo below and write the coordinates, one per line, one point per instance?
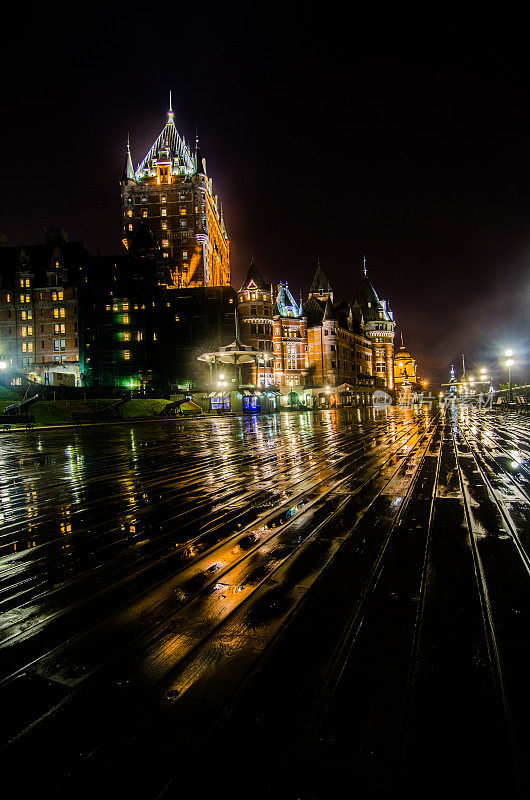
(64, 412)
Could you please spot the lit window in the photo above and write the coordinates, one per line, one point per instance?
(163, 212)
(56, 313)
(23, 331)
(163, 199)
(177, 318)
(21, 298)
(129, 213)
(126, 336)
(21, 283)
(165, 243)
(27, 283)
(144, 213)
(107, 308)
(60, 295)
(127, 355)
(125, 306)
(62, 312)
(166, 255)
(125, 319)
(23, 315)
(154, 337)
(24, 347)
(164, 226)
(139, 336)
(185, 254)
(130, 226)
(182, 212)
(57, 265)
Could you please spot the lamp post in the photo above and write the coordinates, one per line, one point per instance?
(509, 363)
(222, 384)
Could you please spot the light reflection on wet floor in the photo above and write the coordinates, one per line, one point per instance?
(151, 555)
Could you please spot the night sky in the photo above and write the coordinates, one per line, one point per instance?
(325, 138)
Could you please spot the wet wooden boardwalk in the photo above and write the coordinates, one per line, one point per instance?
(313, 606)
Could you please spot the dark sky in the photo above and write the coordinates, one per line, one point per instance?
(326, 137)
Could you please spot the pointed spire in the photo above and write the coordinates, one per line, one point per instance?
(328, 311)
(364, 265)
(320, 282)
(253, 278)
(128, 169)
(200, 167)
(170, 112)
(402, 345)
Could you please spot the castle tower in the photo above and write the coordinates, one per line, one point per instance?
(170, 194)
(255, 305)
(379, 329)
(321, 287)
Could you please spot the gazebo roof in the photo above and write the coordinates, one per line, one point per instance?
(235, 353)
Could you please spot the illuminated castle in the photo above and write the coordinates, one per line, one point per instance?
(169, 211)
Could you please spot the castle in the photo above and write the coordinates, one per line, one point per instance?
(144, 318)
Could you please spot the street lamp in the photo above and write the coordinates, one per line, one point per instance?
(509, 363)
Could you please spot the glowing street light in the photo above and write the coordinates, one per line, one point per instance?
(509, 363)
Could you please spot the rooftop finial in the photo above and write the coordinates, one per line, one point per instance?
(402, 345)
(170, 112)
(364, 264)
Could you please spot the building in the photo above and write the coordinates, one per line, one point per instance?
(255, 307)
(405, 377)
(324, 352)
(378, 325)
(140, 335)
(289, 341)
(339, 352)
(170, 198)
(41, 325)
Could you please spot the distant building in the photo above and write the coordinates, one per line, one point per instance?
(168, 201)
(41, 330)
(405, 369)
(323, 351)
(378, 325)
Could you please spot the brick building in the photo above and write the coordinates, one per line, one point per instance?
(41, 327)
